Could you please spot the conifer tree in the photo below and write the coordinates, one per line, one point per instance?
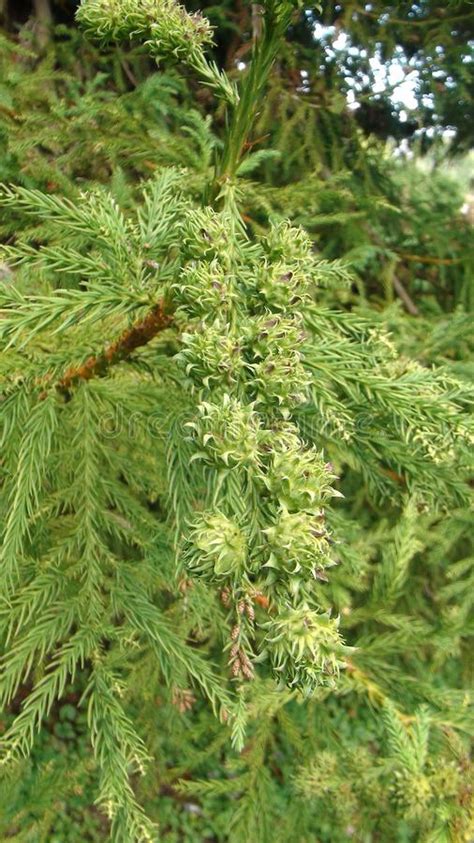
(175, 398)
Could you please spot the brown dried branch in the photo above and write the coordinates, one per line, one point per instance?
(428, 259)
(141, 333)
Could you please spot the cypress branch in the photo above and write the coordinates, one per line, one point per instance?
(259, 510)
(141, 333)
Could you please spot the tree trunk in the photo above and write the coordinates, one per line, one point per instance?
(43, 21)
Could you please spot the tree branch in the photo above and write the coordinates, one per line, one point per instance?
(403, 295)
(141, 333)
(269, 25)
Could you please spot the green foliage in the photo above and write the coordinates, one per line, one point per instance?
(415, 793)
(236, 580)
(166, 29)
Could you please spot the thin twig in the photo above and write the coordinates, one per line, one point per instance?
(408, 22)
(403, 295)
(428, 259)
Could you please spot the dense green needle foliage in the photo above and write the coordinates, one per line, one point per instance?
(235, 561)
